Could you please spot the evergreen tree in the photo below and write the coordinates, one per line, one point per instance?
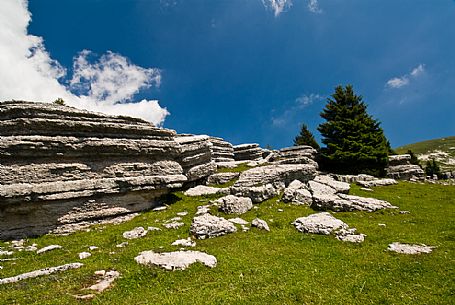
(355, 142)
(414, 160)
(305, 137)
(432, 168)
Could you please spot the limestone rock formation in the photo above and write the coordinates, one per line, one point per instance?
(409, 248)
(222, 151)
(377, 182)
(298, 193)
(260, 224)
(202, 190)
(207, 226)
(179, 260)
(221, 178)
(296, 155)
(231, 204)
(62, 168)
(247, 152)
(400, 167)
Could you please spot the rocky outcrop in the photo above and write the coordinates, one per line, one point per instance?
(400, 167)
(61, 166)
(221, 178)
(296, 155)
(196, 156)
(222, 151)
(247, 152)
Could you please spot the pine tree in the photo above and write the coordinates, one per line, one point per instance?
(355, 142)
(414, 160)
(432, 168)
(305, 137)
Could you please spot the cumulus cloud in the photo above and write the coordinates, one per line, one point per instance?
(301, 102)
(277, 6)
(27, 72)
(398, 82)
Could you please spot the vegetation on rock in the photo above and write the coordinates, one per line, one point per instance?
(355, 142)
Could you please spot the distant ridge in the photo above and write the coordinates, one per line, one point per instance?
(446, 144)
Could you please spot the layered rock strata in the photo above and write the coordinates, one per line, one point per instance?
(296, 155)
(61, 167)
(222, 151)
(400, 167)
(247, 152)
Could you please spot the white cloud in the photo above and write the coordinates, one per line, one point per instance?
(27, 72)
(301, 102)
(277, 6)
(398, 82)
(313, 6)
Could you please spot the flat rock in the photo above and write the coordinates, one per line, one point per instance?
(260, 224)
(202, 190)
(135, 233)
(40, 272)
(105, 282)
(377, 182)
(84, 255)
(320, 223)
(367, 204)
(179, 260)
(184, 242)
(173, 225)
(48, 248)
(297, 192)
(208, 226)
(222, 178)
(238, 221)
(409, 248)
(340, 187)
(231, 204)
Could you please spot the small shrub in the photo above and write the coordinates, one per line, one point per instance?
(59, 101)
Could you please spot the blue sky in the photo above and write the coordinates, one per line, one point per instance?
(252, 70)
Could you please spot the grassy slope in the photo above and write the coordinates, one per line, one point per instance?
(278, 267)
(442, 144)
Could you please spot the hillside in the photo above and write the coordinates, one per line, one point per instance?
(442, 150)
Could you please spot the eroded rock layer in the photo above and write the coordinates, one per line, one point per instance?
(61, 166)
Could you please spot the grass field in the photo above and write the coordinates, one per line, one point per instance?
(442, 144)
(257, 267)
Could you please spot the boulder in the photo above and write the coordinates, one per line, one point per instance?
(339, 186)
(260, 224)
(377, 182)
(297, 192)
(258, 194)
(179, 260)
(208, 226)
(231, 204)
(135, 233)
(400, 167)
(249, 152)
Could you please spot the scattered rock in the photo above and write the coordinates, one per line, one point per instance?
(122, 245)
(260, 224)
(207, 226)
(231, 204)
(91, 248)
(84, 296)
(245, 228)
(173, 225)
(184, 243)
(40, 272)
(367, 204)
(324, 223)
(320, 223)
(48, 248)
(179, 260)
(338, 186)
(135, 233)
(238, 221)
(203, 209)
(202, 190)
(405, 212)
(151, 229)
(377, 182)
(184, 213)
(105, 282)
(6, 253)
(84, 255)
(160, 208)
(366, 189)
(409, 248)
(382, 225)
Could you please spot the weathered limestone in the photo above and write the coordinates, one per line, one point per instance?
(260, 224)
(60, 166)
(377, 182)
(247, 152)
(106, 280)
(202, 190)
(208, 226)
(196, 156)
(297, 192)
(274, 174)
(400, 167)
(135, 233)
(222, 151)
(221, 178)
(184, 242)
(296, 155)
(340, 187)
(409, 249)
(325, 224)
(231, 204)
(258, 194)
(40, 272)
(48, 248)
(179, 260)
